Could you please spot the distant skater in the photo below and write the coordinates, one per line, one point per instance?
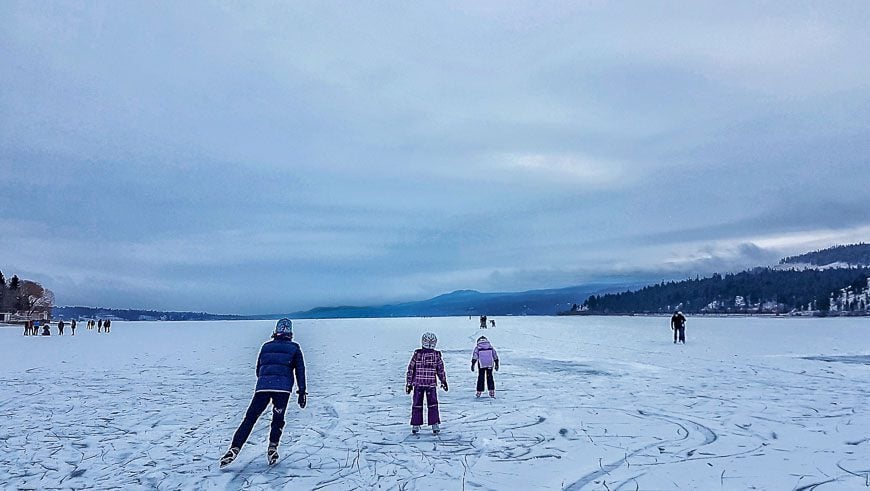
(100, 325)
(486, 359)
(426, 364)
(46, 329)
(60, 326)
(107, 325)
(483, 322)
(678, 324)
(28, 327)
(279, 362)
(72, 327)
(492, 323)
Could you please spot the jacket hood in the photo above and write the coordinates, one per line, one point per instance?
(484, 344)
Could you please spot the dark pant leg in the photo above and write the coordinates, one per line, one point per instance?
(489, 380)
(417, 406)
(682, 334)
(480, 376)
(676, 334)
(432, 402)
(279, 410)
(258, 405)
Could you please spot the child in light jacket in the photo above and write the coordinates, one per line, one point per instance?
(426, 364)
(486, 359)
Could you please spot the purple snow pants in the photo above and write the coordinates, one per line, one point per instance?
(431, 401)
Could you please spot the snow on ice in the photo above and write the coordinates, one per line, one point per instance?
(582, 403)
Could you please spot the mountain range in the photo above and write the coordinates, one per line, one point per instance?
(569, 299)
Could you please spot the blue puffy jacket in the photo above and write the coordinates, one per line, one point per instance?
(278, 361)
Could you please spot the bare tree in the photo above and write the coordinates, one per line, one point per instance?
(33, 297)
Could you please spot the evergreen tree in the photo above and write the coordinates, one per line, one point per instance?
(2, 292)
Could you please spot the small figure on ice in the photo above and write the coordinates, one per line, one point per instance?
(280, 360)
(483, 322)
(678, 324)
(426, 364)
(486, 359)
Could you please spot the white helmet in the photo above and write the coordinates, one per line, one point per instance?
(429, 340)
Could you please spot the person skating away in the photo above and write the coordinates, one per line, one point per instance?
(279, 362)
(486, 359)
(426, 364)
(72, 326)
(60, 326)
(100, 325)
(678, 324)
(107, 326)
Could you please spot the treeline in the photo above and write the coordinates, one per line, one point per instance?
(24, 297)
(758, 290)
(137, 315)
(854, 254)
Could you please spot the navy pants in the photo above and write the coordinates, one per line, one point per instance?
(485, 372)
(431, 401)
(680, 334)
(259, 404)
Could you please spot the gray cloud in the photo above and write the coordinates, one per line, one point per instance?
(254, 157)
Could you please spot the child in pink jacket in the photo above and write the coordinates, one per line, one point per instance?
(486, 359)
(426, 364)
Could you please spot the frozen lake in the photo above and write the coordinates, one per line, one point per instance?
(583, 403)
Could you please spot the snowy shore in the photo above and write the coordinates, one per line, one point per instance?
(583, 403)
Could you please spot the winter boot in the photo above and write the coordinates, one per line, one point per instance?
(492, 394)
(272, 453)
(477, 394)
(415, 429)
(436, 429)
(229, 457)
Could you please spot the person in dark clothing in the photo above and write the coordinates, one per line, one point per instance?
(72, 326)
(107, 326)
(60, 326)
(483, 322)
(27, 328)
(678, 324)
(279, 362)
(46, 329)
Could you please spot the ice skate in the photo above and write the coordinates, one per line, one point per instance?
(229, 457)
(436, 429)
(272, 454)
(477, 394)
(492, 394)
(415, 429)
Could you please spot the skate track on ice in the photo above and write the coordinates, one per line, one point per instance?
(583, 403)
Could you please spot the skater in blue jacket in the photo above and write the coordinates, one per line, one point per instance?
(280, 360)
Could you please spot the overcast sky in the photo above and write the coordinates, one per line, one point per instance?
(260, 157)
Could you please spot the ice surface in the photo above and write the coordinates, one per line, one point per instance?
(583, 403)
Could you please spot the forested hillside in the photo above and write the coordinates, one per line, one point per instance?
(854, 255)
(760, 290)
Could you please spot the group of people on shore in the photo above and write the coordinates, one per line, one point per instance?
(43, 328)
(280, 366)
